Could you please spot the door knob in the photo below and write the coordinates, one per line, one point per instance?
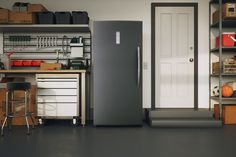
(190, 59)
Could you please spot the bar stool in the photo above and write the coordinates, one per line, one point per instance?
(11, 102)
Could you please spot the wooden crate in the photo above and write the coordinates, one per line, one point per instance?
(21, 18)
(4, 16)
(227, 68)
(229, 114)
(228, 12)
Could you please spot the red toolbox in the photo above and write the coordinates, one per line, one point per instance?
(228, 40)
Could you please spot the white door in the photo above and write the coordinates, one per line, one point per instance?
(174, 57)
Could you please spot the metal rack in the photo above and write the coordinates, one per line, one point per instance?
(220, 52)
(40, 42)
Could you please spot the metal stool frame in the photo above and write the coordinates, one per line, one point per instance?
(10, 115)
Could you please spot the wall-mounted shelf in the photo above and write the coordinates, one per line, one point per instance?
(226, 23)
(223, 1)
(225, 49)
(224, 75)
(45, 39)
(45, 28)
(224, 98)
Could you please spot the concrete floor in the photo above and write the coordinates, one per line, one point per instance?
(64, 140)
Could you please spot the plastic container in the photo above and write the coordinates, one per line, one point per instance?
(80, 17)
(46, 17)
(16, 6)
(36, 63)
(63, 17)
(24, 7)
(17, 63)
(228, 39)
(26, 63)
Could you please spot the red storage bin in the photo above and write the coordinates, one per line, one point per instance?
(36, 63)
(26, 63)
(228, 40)
(17, 63)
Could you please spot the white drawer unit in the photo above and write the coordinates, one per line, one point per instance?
(58, 96)
(57, 110)
(55, 85)
(65, 92)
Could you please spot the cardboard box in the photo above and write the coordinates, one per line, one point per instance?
(50, 66)
(229, 114)
(216, 111)
(4, 15)
(32, 8)
(21, 18)
(229, 12)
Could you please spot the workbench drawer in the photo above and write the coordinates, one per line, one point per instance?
(57, 85)
(58, 109)
(69, 92)
(57, 79)
(45, 99)
(47, 109)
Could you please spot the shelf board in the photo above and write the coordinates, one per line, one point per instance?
(223, 75)
(45, 28)
(223, 1)
(226, 23)
(224, 98)
(225, 49)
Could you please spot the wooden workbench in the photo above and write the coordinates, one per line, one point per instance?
(82, 82)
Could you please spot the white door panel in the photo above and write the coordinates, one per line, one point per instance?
(174, 48)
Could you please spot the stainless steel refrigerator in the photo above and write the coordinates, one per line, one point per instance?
(117, 73)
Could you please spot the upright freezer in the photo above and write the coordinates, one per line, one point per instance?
(117, 73)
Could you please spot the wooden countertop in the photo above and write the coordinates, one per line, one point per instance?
(41, 71)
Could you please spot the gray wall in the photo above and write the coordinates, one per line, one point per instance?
(138, 10)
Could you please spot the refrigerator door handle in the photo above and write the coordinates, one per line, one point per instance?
(138, 51)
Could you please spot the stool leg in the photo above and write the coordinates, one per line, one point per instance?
(3, 124)
(30, 113)
(10, 110)
(6, 114)
(26, 116)
(9, 123)
(32, 119)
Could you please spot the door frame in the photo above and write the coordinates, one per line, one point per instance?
(153, 48)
